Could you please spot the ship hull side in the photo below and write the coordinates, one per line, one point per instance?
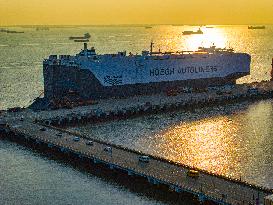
(153, 69)
(61, 79)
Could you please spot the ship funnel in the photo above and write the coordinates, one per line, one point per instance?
(85, 46)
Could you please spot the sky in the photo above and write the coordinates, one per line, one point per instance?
(101, 12)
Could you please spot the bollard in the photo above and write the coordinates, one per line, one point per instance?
(64, 150)
(49, 145)
(95, 161)
(177, 189)
(201, 198)
(172, 187)
(130, 173)
(152, 180)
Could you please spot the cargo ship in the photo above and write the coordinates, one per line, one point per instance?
(84, 37)
(10, 31)
(92, 76)
(256, 27)
(199, 31)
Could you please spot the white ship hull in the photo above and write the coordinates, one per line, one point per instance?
(127, 70)
(94, 76)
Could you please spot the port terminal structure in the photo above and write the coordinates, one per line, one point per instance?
(42, 128)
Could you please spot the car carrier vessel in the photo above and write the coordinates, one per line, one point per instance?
(89, 75)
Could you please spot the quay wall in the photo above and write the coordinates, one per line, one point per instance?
(124, 108)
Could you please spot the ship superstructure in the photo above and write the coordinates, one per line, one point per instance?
(94, 76)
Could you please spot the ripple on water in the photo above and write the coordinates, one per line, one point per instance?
(228, 144)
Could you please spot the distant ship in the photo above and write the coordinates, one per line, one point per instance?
(42, 28)
(95, 76)
(9, 31)
(177, 24)
(3, 30)
(85, 36)
(199, 31)
(148, 27)
(15, 31)
(81, 40)
(256, 27)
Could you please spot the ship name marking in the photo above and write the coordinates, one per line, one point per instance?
(162, 71)
(198, 69)
(184, 70)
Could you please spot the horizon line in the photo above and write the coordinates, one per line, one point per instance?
(139, 24)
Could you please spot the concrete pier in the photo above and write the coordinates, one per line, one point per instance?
(27, 125)
(109, 109)
(157, 171)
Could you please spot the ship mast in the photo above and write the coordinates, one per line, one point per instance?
(151, 47)
(271, 73)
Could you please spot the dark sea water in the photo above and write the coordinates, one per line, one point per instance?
(231, 140)
(27, 177)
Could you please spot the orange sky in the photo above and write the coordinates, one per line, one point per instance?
(16, 12)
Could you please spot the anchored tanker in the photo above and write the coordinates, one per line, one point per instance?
(92, 76)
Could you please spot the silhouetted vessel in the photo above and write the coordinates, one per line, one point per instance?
(199, 31)
(15, 31)
(10, 31)
(3, 30)
(42, 28)
(256, 27)
(85, 36)
(81, 40)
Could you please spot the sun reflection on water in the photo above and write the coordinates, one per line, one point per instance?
(228, 140)
(214, 36)
(208, 144)
(172, 39)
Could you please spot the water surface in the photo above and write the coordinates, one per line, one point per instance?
(21, 55)
(232, 140)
